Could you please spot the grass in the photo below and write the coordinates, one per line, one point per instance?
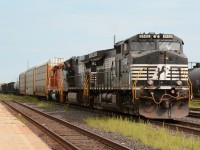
(46, 104)
(5, 97)
(194, 104)
(9, 97)
(66, 108)
(20, 118)
(147, 134)
(26, 99)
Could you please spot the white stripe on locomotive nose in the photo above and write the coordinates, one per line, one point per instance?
(170, 72)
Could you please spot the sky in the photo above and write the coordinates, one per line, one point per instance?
(33, 31)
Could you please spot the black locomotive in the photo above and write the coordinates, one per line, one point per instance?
(146, 74)
(9, 88)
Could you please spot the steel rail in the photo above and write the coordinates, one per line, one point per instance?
(179, 126)
(175, 124)
(99, 138)
(53, 135)
(195, 109)
(194, 115)
(188, 124)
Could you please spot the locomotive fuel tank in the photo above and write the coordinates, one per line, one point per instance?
(194, 75)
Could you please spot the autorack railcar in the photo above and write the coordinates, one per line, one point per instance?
(34, 81)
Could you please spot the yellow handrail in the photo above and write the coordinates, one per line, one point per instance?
(85, 86)
(135, 83)
(190, 92)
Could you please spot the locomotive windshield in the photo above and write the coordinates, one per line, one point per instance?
(135, 46)
(169, 46)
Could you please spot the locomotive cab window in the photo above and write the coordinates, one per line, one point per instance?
(118, 49)
(137, 46)
(169, 46)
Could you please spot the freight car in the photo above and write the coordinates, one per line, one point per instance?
(11, 89)
(146, 74)
(1, 90)
(16, 88)
(4, 88)
(8, 88)
(194, 75)
(34, 81)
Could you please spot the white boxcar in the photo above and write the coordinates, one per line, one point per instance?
(41, 73)
(41, 76)
(22, 83)
(30, 79)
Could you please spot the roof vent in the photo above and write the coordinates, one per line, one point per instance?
(151, 32)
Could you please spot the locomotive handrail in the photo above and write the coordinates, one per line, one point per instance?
(190, 88)
(190, 93)
(85, 86)
(60, 88)
(135, 83)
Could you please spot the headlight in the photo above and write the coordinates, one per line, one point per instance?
(179, 83)
(150, 82)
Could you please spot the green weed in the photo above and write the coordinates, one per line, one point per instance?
(146, 133)
(5, 97)
(46, 104)
(66, 108)
(194, 104)
(20, 118)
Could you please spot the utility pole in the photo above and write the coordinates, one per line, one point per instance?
(27, 64)
(114, 39)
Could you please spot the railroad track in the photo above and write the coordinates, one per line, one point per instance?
(176, 125)
(194, 114)
(181, 126)
(195, 109)
(68, 135)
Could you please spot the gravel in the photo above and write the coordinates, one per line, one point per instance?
(77, 117)
(190, 119)
(51, 143)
